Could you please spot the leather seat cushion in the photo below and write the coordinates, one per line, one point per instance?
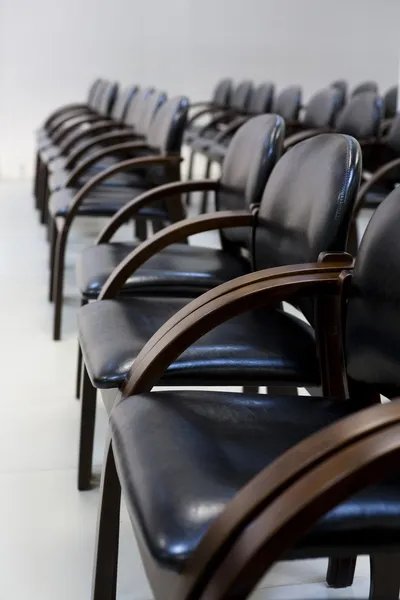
(182, 455)
(180, 269)
(59, 179)
(103, 202)
(255, 348)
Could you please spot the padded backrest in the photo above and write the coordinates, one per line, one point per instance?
(307, 202)
(241, 96)
(372, 338)
(136, 106)
(166, 129)
(98, 94)
(250, 158)
(393, 135)
(261, 99)
(390, 102)
(222, 95)
(123, 101)
(108, 98)
(361, 117)
(288, 103)
(92, 90)
(148, 111)
(365, 86)
(322, 109)
(342, 87)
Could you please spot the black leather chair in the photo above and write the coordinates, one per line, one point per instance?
(365, 86)
(219, 486)
(219, 103)
(158, 156)
(288, 104)
(390, 102)
(270, 348)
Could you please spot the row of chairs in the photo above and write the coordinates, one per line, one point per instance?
(180, 315)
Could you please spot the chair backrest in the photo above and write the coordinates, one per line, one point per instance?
(124, 99)
(98, 94)
(372, 336)
(92, 90)
(108, 98)
(322, 109)
(261, 99)
(222, 95)
(308, 200)
(250, 158)
(136, 106)
(241, 96)
(148, 111)
(288, 103)
(390, 102)
(393, 136)
(365, 86)
(343, 87)
(166, 130)
(361, 117)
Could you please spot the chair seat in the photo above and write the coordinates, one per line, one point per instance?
(183, 455)
(101, 203)
(59, 179)
(255, 348)
(178, 270)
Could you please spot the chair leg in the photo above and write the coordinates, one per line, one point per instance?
(58, 286)
(190, 173)
(204, 200)
(86, 438)
(340, 572)
(385, 577)
(104, 586)
(44, 196)
(281, 390)
(141, 229)
(53, 243)
(79, 364)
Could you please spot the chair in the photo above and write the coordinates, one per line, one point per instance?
(219, 486)
(158, 156)
(390, 102)
(288, 105)
(270, 348)
(365, 86)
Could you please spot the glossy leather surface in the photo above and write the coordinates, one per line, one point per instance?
(288, 103)
(373, 319)
(147, 112)
(166, 128)
(365, 86)
(179, 270)
(123, 102)
(241, 96)
(59, 179)
(361, 117)
(108, 98)
(222, 95)
(182, 456)
(322, 109)
(255, 348)
(261, 99)
(390, 102)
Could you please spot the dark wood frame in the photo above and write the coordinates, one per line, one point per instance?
(280, 504)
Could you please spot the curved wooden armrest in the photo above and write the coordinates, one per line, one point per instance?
(93, 130)
(373, 180)
(103, 139)
(201, 113)
(170, 235)
(231, 128)
(158, 193)
(69, 125)
(267, 489)
(114, 149)
(268, 286)
(288, 498)
(126, 165)
(68, 108)
(301, 136)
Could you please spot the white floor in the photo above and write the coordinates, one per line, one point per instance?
(47, 528)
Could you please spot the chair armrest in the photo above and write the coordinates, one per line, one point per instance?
(96, 128)
(126, 165)
(64, 128)
(67, 108)
(231, 128)
(170, 235)
(277, 507)
(301, 136)
(375, 177)
(201, 113)
(91, 160)
(108, 138)
(218, 118)
(158, 193)
(268, 286)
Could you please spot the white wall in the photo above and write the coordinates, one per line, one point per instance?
(50, 49)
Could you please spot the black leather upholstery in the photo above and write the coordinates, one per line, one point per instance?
(181, 270)
(108, 98)
(252, 154)
(322, 109)
(241, 96)
(258, 347)
(123, 101)
(222, 95)
(373, 323)
(288, 103)
(390, 102)
(181, 456)
(361, 117)
(365, 86)
(261, 99)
